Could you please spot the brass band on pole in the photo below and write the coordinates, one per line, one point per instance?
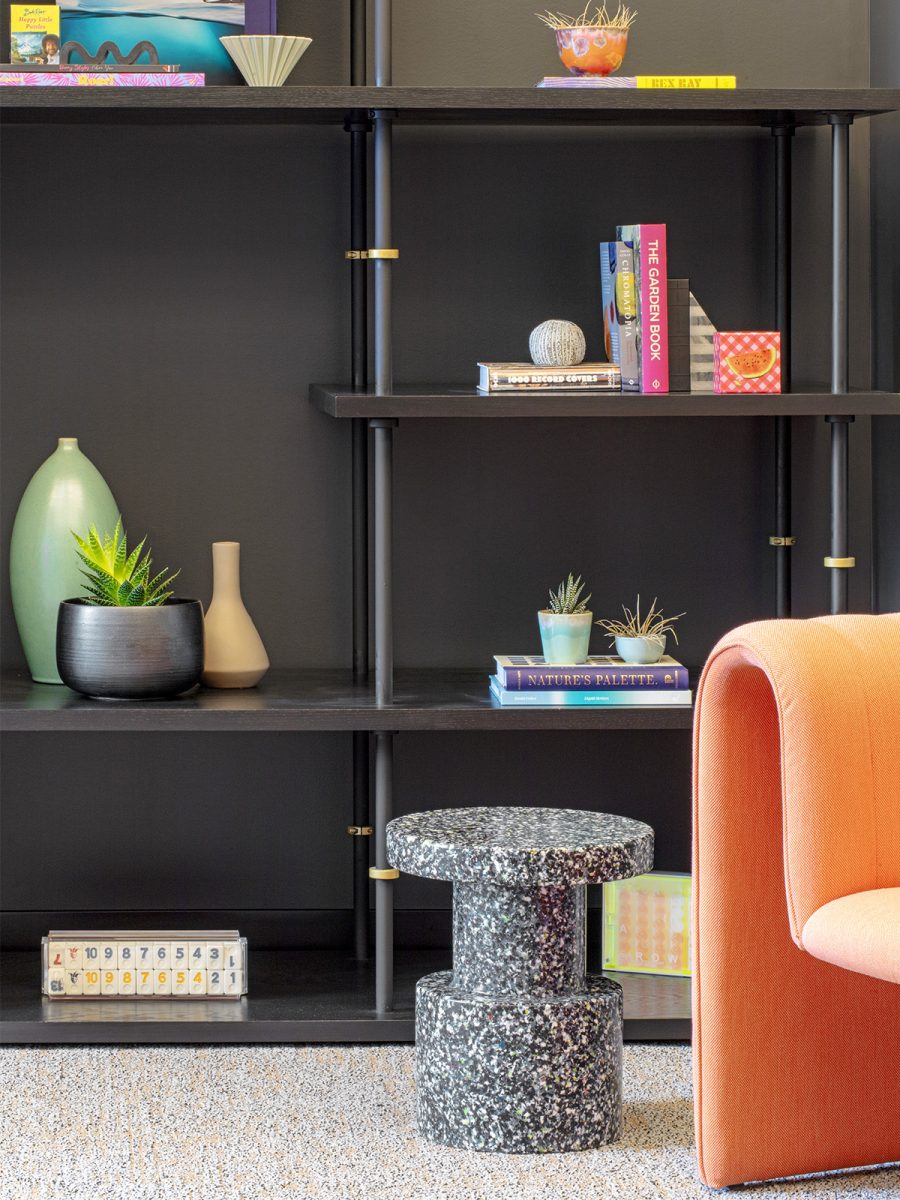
(782, 541)
(359, 830)
(383, 873)
(358, 254)
(840, 562)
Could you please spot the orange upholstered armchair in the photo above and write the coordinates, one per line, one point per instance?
(797, 899)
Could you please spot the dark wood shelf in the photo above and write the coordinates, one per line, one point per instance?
(453, 400)
(294, 996)
(473, 105)
(310, 701)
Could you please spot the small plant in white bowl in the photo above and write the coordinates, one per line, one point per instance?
(641, 640)
(566, 624)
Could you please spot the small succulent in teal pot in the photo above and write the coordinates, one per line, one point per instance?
(565, 624)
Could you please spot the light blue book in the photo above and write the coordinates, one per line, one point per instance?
(679, 698)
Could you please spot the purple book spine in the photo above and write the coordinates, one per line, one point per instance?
(586, 678)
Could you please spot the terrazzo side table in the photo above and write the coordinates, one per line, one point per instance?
(517, 1049)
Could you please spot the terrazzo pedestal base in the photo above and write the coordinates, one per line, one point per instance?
(519, 1074)
(517, 1049)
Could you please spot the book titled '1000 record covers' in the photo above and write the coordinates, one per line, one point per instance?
(529, 673)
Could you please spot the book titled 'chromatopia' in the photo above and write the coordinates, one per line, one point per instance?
(588, 698)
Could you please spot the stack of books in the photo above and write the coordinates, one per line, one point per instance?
(525, 679)
(634, 292)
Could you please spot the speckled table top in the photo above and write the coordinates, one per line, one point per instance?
(520, 847)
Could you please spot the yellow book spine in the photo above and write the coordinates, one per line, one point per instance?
(686, 81)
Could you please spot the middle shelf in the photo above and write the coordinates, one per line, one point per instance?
(314, 701)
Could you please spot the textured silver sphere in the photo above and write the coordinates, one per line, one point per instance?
(557, 344)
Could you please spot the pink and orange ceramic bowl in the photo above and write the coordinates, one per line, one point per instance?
(592, 49)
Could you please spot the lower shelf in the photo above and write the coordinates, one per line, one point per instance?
(295, 996)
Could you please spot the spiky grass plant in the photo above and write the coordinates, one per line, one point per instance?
(117, 579)
(654, 626)
(565, 601)
(601, 19)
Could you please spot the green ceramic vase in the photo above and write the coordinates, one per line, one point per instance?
(67, 492)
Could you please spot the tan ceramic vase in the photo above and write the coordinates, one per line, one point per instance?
(234, 656)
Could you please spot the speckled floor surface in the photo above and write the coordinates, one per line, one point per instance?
(333, 1123)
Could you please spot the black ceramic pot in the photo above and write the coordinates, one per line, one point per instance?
(130, 653)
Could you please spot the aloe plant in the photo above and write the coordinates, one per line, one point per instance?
(566, 599)
(117, 579)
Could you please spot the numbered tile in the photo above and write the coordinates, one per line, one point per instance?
(233, 956)
(109, 956)
(73, 955)
(144, 981)
(56, 981)
(90, 955)
(198, 983)
(234, 983)
(91, 984)
(215, 981)
(109, 982)
(214, 956)
(197, 955)
(127, 981)
(162, 982)
(127, 956)
(72, 982)
(180, 981)
(143, 953)
(56, 954)
(161, 956)
(178, 955)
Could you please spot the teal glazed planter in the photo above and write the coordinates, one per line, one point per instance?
(565, 637)
(67, 492)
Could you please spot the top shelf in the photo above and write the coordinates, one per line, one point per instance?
(467, 105)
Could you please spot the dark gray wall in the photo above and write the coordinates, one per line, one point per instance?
(886, 297)
(199, 287)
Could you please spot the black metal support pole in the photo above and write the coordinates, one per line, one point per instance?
(384, 645)
(783, 540)
(359, 320)
(384, 888)
(839, 560)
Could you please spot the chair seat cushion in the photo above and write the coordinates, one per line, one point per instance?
(860, 932)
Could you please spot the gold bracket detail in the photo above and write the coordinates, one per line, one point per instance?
(359, 830)
(383, 873)
(356, 255)
(782, 541)
(840, 562)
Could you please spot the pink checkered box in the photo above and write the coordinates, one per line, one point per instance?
(747, 362)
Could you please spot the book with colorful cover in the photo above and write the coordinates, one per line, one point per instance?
(100, 79)
(626, 302)
(638, 81)
(529, 673)
(90, 68)
(34, 34)
(513, 377)
(607, 296)
(650, 272)
(587, 698)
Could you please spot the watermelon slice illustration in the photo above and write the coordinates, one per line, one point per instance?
(751, 364)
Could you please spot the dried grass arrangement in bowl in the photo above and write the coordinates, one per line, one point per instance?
(640, 640)
(591, 44)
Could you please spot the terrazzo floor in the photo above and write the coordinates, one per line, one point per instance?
(330, 1123)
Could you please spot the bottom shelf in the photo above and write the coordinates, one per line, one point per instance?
(295, 996)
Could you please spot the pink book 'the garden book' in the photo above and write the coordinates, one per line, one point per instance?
(651, 275)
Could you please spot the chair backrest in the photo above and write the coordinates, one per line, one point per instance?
(835, 682)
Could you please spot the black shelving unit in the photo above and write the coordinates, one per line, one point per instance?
(333, 996)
